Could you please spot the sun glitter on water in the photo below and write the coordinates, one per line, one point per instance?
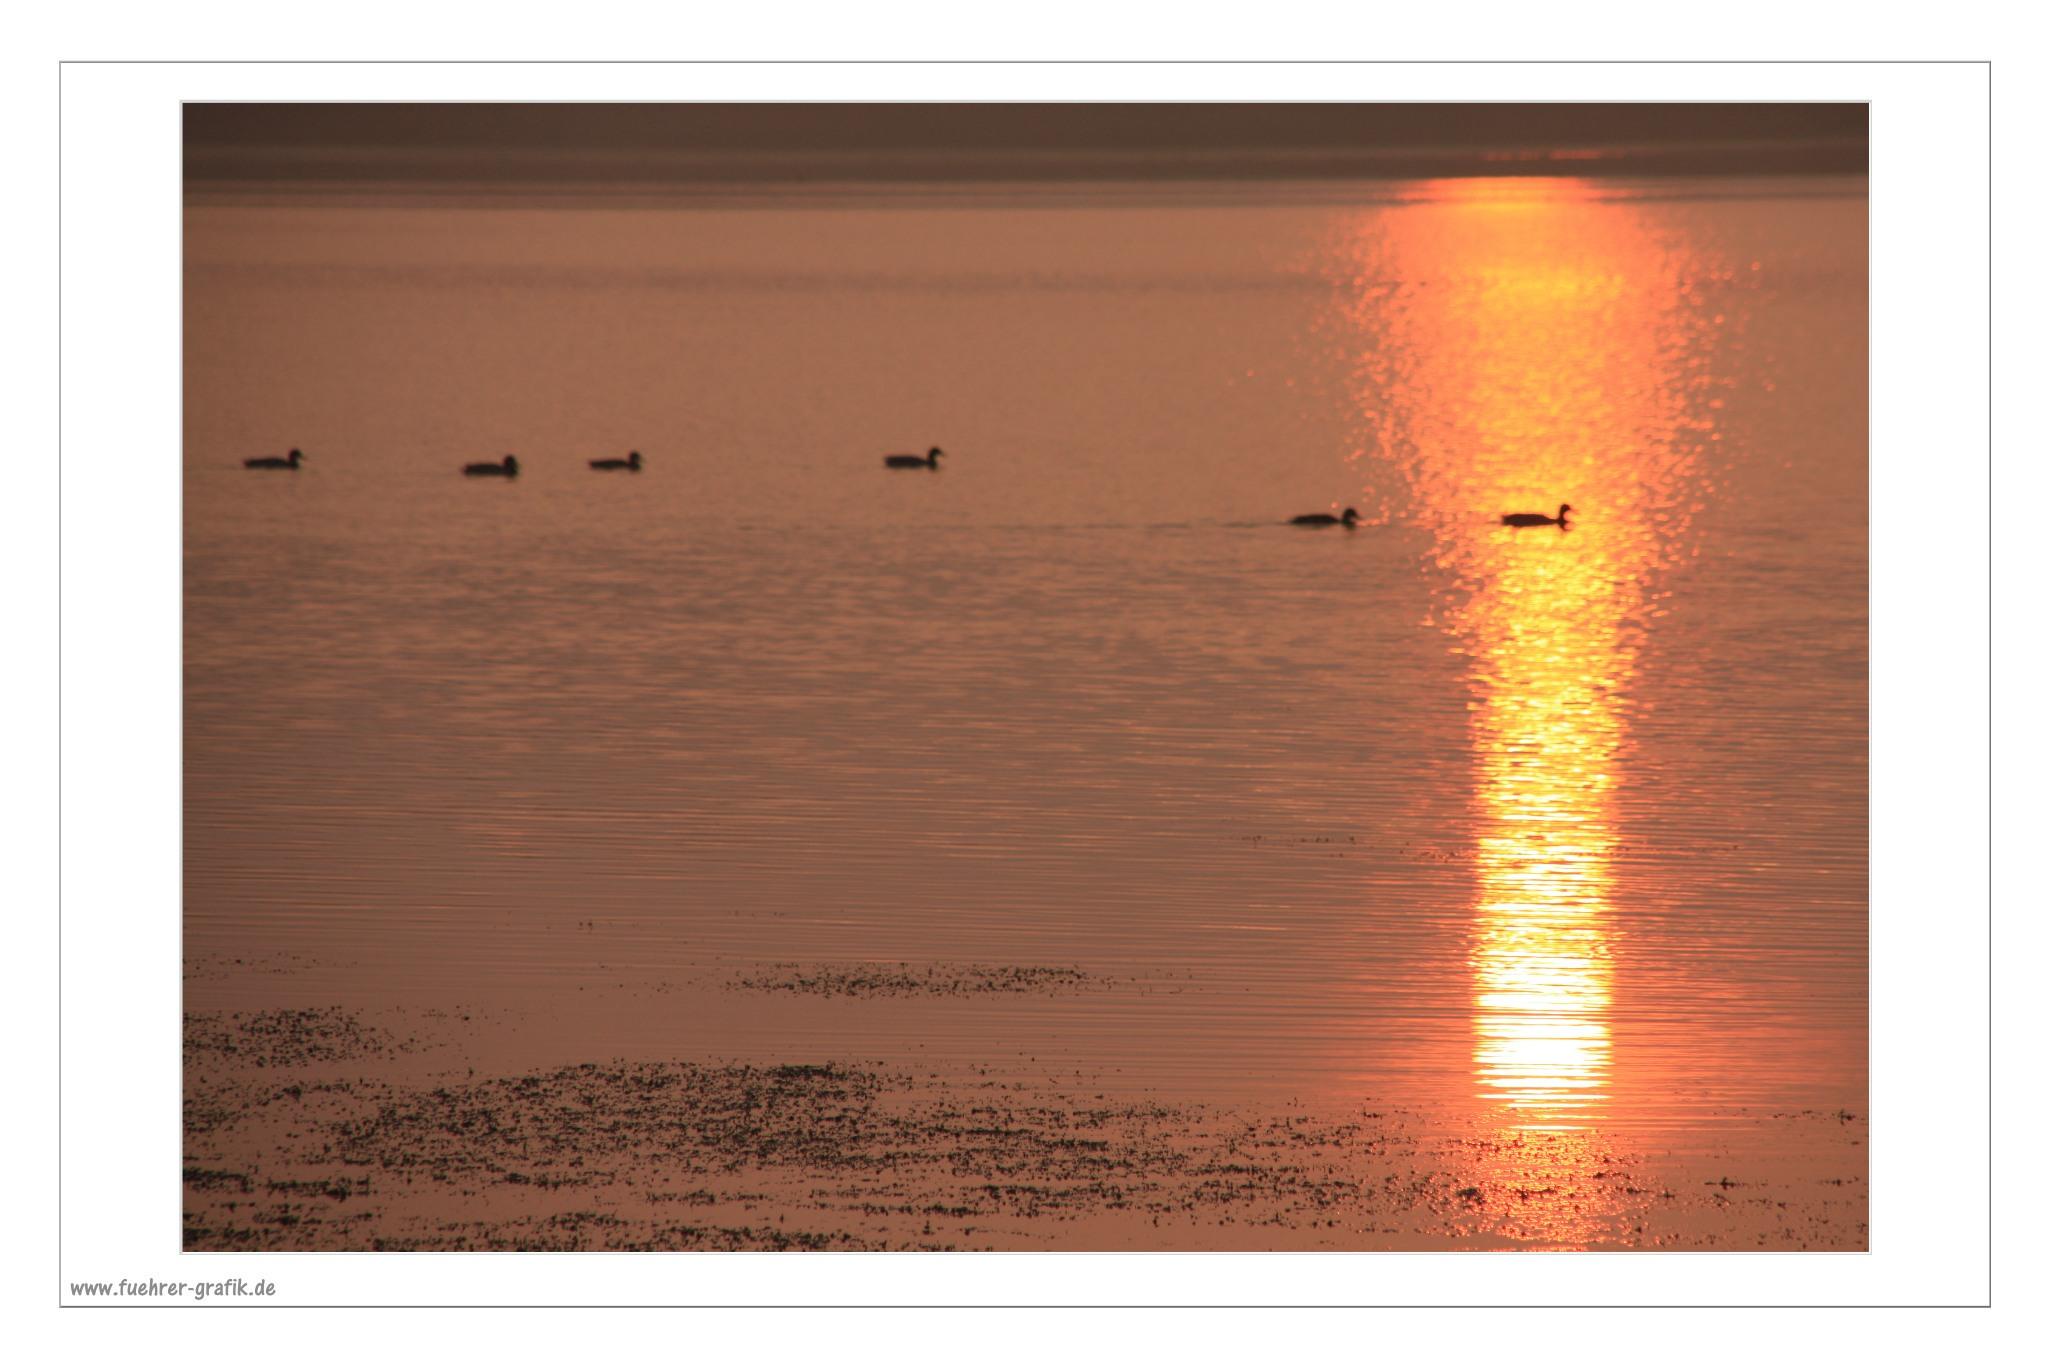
(1531, 334)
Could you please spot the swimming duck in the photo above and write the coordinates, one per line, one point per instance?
(1348, 520)
(930, 461)
(290, 461)
(631, 462)
(509, 469)
(1538, 519)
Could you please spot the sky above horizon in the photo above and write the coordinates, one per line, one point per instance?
(283, 141)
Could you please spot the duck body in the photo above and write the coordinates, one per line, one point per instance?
(631, 462)
(290, 461)
(508, 469)
(929, 460)
(1347, 521)
(1538, 519)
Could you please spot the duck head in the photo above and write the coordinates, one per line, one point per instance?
(511, 464)
(1350, 517)
(633, 460)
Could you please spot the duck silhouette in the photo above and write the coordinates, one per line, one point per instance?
(290, 461)
(631, 462)
(509, 469)
(1538, 519)
(928, 461)
(1347, 521)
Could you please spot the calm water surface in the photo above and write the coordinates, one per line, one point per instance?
(1528, 827)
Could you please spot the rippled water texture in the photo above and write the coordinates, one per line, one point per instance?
(1554, 830)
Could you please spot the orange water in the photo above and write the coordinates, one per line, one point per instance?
(1563, 830)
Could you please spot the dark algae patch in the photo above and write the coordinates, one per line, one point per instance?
(575, 1126)
(904, 979)
(282, 1038)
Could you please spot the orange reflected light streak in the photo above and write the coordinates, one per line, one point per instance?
(1527, 337)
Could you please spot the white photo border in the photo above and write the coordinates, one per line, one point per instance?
(121, 528)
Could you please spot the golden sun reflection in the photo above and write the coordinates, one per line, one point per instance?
(1531, 343)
